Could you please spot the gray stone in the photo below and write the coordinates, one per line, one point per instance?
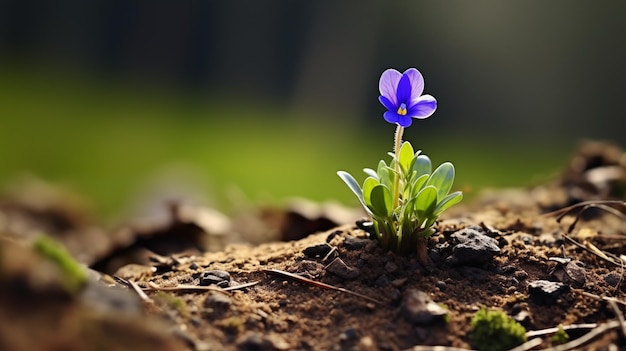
(340, 269)
(572, 272)
(419, 309)
(318, 250)
(546, 292)
(217, 300)
(353, 243)
(216, 277)
(612, 278)
(472, 247)
(349, 335)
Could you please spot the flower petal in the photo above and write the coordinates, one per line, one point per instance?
(387, 103)
(391, 116)
(423, 108)
(388, 84)
(417, 82)
(394, 118)
(405, 121)
(404, 90)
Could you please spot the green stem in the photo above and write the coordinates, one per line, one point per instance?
(396, 179)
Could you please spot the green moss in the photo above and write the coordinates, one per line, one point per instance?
(493, 330)
(173, 301)
(560, 337)
(74, 275)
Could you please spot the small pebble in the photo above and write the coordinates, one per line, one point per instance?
(256, 342)
(472, 247)
(318, 250)
(217, 277)
(520, 275)
(217, 300)
(545, 291)
(523, 317)
(508, 269)
(340, 269)
(367, 225)
(577, 273)
(441, 285)
(418, 308)
(352, 243)
(349, 335)
(612, 278)
(193, 266)
(333, 235)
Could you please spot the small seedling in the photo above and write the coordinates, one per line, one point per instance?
(493, 330)
(74, 275)
(405, 197)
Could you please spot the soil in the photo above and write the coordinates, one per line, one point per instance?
(143, 291)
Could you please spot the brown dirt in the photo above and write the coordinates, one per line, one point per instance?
(280, 313)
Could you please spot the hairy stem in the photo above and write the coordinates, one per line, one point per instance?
(396, 179)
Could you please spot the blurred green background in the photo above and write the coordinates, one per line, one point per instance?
(119, 100)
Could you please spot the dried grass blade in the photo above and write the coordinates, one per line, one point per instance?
(312, 282)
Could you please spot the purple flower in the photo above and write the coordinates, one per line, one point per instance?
(401, 94)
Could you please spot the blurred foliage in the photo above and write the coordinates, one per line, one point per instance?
(112, 140)
(74, 275)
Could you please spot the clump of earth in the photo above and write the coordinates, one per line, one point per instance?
(311, 278)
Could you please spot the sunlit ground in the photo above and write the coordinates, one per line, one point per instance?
(113, 142)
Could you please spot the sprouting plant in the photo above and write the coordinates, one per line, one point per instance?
(74, 275)
(405, 197)
(493, 330)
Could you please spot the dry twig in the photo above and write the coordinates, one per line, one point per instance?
(183, 287)
(312, 282)
(605, 298)
(619, 315)
(586, 205)
(577, 343)
(139, 292)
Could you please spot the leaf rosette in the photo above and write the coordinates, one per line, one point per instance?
(422, 196)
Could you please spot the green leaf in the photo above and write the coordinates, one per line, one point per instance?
(368, 185)
(381, 165)
(417, 185)
(370, 172)
(406, 157)
(353, 185)
(422, 165)
(442, 179)
(448, 201)
(407, 210)
(385, 174)
(381, 203)
(426, 202)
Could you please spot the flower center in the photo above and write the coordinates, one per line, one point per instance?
(402, 109)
